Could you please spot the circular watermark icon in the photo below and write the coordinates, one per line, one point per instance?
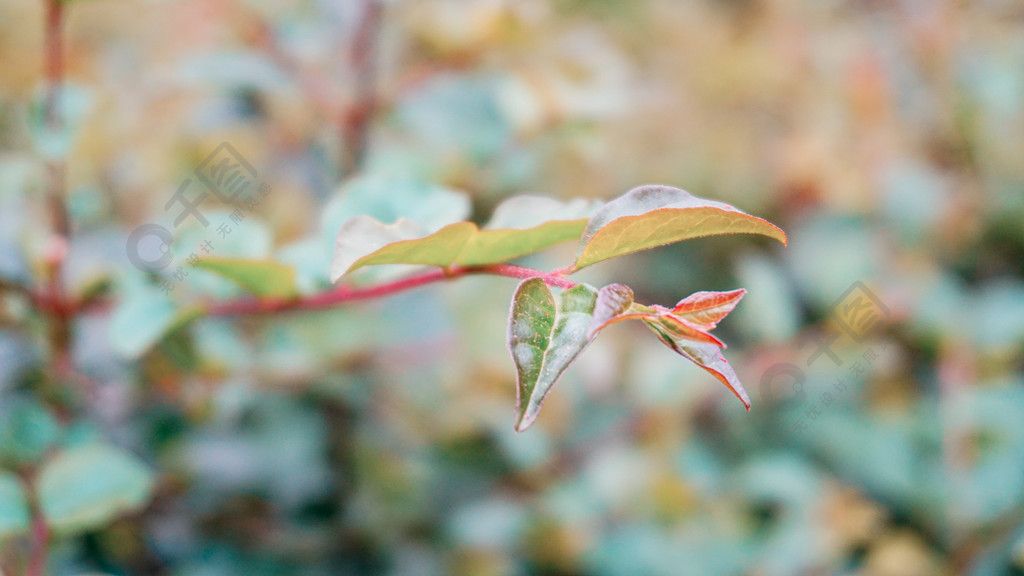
(777, 379)
(149, 247)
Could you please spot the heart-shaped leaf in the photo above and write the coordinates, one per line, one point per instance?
(264, 278)
(520, 226)
(545, 334)
(649, 216)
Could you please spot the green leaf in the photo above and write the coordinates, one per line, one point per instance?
(363, 241)
(95, 288)
(264, 278)
(525, 224)
(455, 116)
(649, 216)
(545, 334)
(521, 225)
(27, 430)
(311, 262)
(143, 318)
(86, 487)
(14, 513)
(707, 355)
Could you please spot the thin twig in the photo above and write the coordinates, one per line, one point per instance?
(363, 61)
(313, 86)
(346, 294)
(54, 119)
(39, 534)
(40, 543)
(555, 279)
(8, 285)
(57, 248)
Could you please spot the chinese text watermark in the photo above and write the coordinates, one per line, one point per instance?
(857, 312)
(227, 175)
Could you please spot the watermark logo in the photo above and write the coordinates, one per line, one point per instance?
(226, 174)
(144, 254)
(857, 312)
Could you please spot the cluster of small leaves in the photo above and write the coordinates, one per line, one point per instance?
(547, 332)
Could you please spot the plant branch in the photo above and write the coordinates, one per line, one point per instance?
(14, 287)
(55, 123)
(363, 60)
(57, 247)
(346, 294)
(555, 279)
(313, 86)
(39, 544)
(39, 534)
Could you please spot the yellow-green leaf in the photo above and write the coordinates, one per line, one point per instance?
(521, 226)
(264, 278)
(649, 216)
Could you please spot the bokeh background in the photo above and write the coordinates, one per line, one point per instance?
(886, 137)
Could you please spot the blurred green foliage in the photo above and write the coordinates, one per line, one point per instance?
(886, 138)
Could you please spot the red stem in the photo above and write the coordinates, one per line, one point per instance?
(39, 534)
(313, 86)
(40, 543)
(56, 251)
(345, 294)
(555, 279)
